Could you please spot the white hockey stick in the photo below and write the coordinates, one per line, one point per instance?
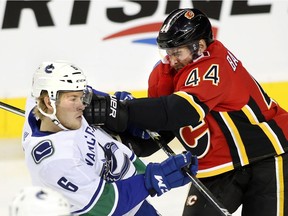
(195, 181)
(156, 137)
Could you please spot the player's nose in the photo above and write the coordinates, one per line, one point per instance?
(173, 61)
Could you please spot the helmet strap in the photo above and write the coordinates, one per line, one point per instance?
(52, 116)
(194, 48)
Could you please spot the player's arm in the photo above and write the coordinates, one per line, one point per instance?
(160, 80)
(158, 179)
(165, 113)
(88, 193)
(137, 139)
(144, 147)
(141, 147)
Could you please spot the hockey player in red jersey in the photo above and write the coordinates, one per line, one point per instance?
(202, 93)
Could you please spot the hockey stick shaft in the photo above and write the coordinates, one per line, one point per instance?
(12, 109)
(195, 181)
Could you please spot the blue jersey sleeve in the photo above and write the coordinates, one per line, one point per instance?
(120, 197)
(131, 192)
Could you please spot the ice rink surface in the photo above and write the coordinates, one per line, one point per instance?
(14, 176)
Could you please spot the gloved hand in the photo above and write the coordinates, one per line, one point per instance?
(134, 131)
(123, 95)
(107, 111)
(161, 177)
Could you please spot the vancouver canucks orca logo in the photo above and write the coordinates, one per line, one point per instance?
(116, 163)
(42, 150)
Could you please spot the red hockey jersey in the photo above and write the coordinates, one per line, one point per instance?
(243, 124)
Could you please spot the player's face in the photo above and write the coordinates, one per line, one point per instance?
(179, 57)
(70, 109)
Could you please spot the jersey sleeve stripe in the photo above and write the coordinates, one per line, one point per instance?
(191, 100)
(266, 129)
(215, 170)
(93, 200)
(280, 184)
(236, 137)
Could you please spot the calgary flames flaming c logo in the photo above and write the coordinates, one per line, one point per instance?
(189, 14)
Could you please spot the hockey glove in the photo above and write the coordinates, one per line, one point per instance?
(123, 95)
(107, 111)
(160, 178)
(134, 131)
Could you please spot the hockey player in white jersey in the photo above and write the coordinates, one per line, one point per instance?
(97, 174)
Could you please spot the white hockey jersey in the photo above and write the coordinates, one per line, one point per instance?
(83, 165)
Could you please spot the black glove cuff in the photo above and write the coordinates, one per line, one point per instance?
(107, 111)
(95, 112)
(116, 114)
(99, 111)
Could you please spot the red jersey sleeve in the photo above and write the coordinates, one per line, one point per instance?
(160, 81)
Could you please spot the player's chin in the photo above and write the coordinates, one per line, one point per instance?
(76, 123)
(74, 126)
(178, 68)
(79, 120)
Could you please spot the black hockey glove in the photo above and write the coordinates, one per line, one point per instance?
(107, 111)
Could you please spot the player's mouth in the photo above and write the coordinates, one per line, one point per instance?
(79, 116)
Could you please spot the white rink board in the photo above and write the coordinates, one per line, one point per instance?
(256, 35)
(14, 176)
